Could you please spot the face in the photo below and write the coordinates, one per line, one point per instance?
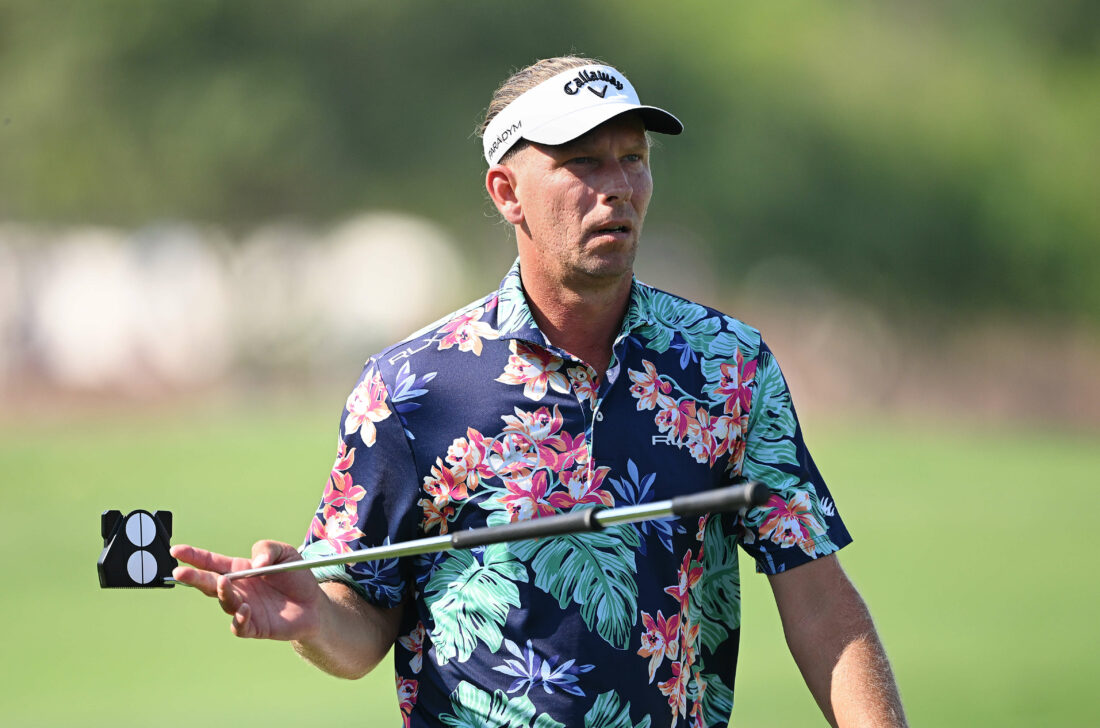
(580, 205)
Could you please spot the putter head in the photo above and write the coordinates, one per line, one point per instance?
(135, 550)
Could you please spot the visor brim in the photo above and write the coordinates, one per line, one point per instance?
(569, 126)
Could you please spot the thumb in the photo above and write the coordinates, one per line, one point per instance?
(265, 553)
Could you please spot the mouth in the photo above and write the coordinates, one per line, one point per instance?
(613, 230)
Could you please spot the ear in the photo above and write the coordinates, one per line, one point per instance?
(501, 182)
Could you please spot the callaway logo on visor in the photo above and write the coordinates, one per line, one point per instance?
(566, 106)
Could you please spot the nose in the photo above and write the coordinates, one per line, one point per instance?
(616, 184)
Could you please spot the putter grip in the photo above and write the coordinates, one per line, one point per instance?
(730, 498)
(535, 528)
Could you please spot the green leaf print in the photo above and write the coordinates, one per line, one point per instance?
(470, 602)
(513, 313)
(475, 708)
(772, 424)
(593, 570)
(321, 549)
(773, 402)
(725, 345)
(716, 599)
(717, 698)
(675, 314)
(607, 713)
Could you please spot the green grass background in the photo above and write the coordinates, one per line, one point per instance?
(974, 547)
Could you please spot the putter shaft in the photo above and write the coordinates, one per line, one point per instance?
(730, 498)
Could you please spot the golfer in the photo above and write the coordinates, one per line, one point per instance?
(574, 385)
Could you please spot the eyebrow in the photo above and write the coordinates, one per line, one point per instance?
(575, 145)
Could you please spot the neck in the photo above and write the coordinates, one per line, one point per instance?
(581, 319)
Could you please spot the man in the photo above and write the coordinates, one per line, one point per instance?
(572, 386)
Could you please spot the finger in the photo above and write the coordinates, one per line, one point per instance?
(204, 581)
(242, 621)
(228, 596)
(203, 559)
(265, 553)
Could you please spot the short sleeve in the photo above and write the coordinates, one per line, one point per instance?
(799, 522)
(370, 497)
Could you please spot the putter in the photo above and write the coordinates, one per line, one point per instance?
(719, 500)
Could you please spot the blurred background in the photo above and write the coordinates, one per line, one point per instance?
(212, 212)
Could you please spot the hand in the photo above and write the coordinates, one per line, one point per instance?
(284, 606)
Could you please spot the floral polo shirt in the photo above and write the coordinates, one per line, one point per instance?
(478, 420)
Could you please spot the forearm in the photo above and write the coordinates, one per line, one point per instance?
(845, 666)
(834, 642)
(352, 636)
(863, 691)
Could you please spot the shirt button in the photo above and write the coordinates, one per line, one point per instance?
(599, 417)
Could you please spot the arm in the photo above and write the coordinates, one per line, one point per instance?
(329, 625)
(356, 634)
(833, 640)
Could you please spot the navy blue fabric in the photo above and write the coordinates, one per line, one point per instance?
(477, 420)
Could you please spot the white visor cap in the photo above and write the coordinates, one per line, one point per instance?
(568, 105)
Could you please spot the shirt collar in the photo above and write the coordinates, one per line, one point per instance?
(514, 319)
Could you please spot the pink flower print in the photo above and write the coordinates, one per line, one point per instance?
(407, 692)
(579, 488)
(563, 451)
(585, 383)
(735, 385)
(446, 485)
(556, 450)
(698, 720)
(434, 516)
(675, 417)
(660, 640)
(701, 532)
(535, 426)
(526, 498)
(689, 577)
(366, 405)
(748, 378)
(344, 456)
(534, 368)
(700, 432)
(341, 493)
(648, 386)
(513, 456)
(729, 385)
(676, 687)
(467, 332)
(689, 642)
(338, 528)
(791, 523)
(468, 454)
(414, 643)
(728, 432)
(676, 690)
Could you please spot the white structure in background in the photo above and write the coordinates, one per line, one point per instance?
(182, 328)
(380, 277)
(318, 305)
(137, 313)
(13, 243)
(86, 292)
(273, 330)
(172, 307)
